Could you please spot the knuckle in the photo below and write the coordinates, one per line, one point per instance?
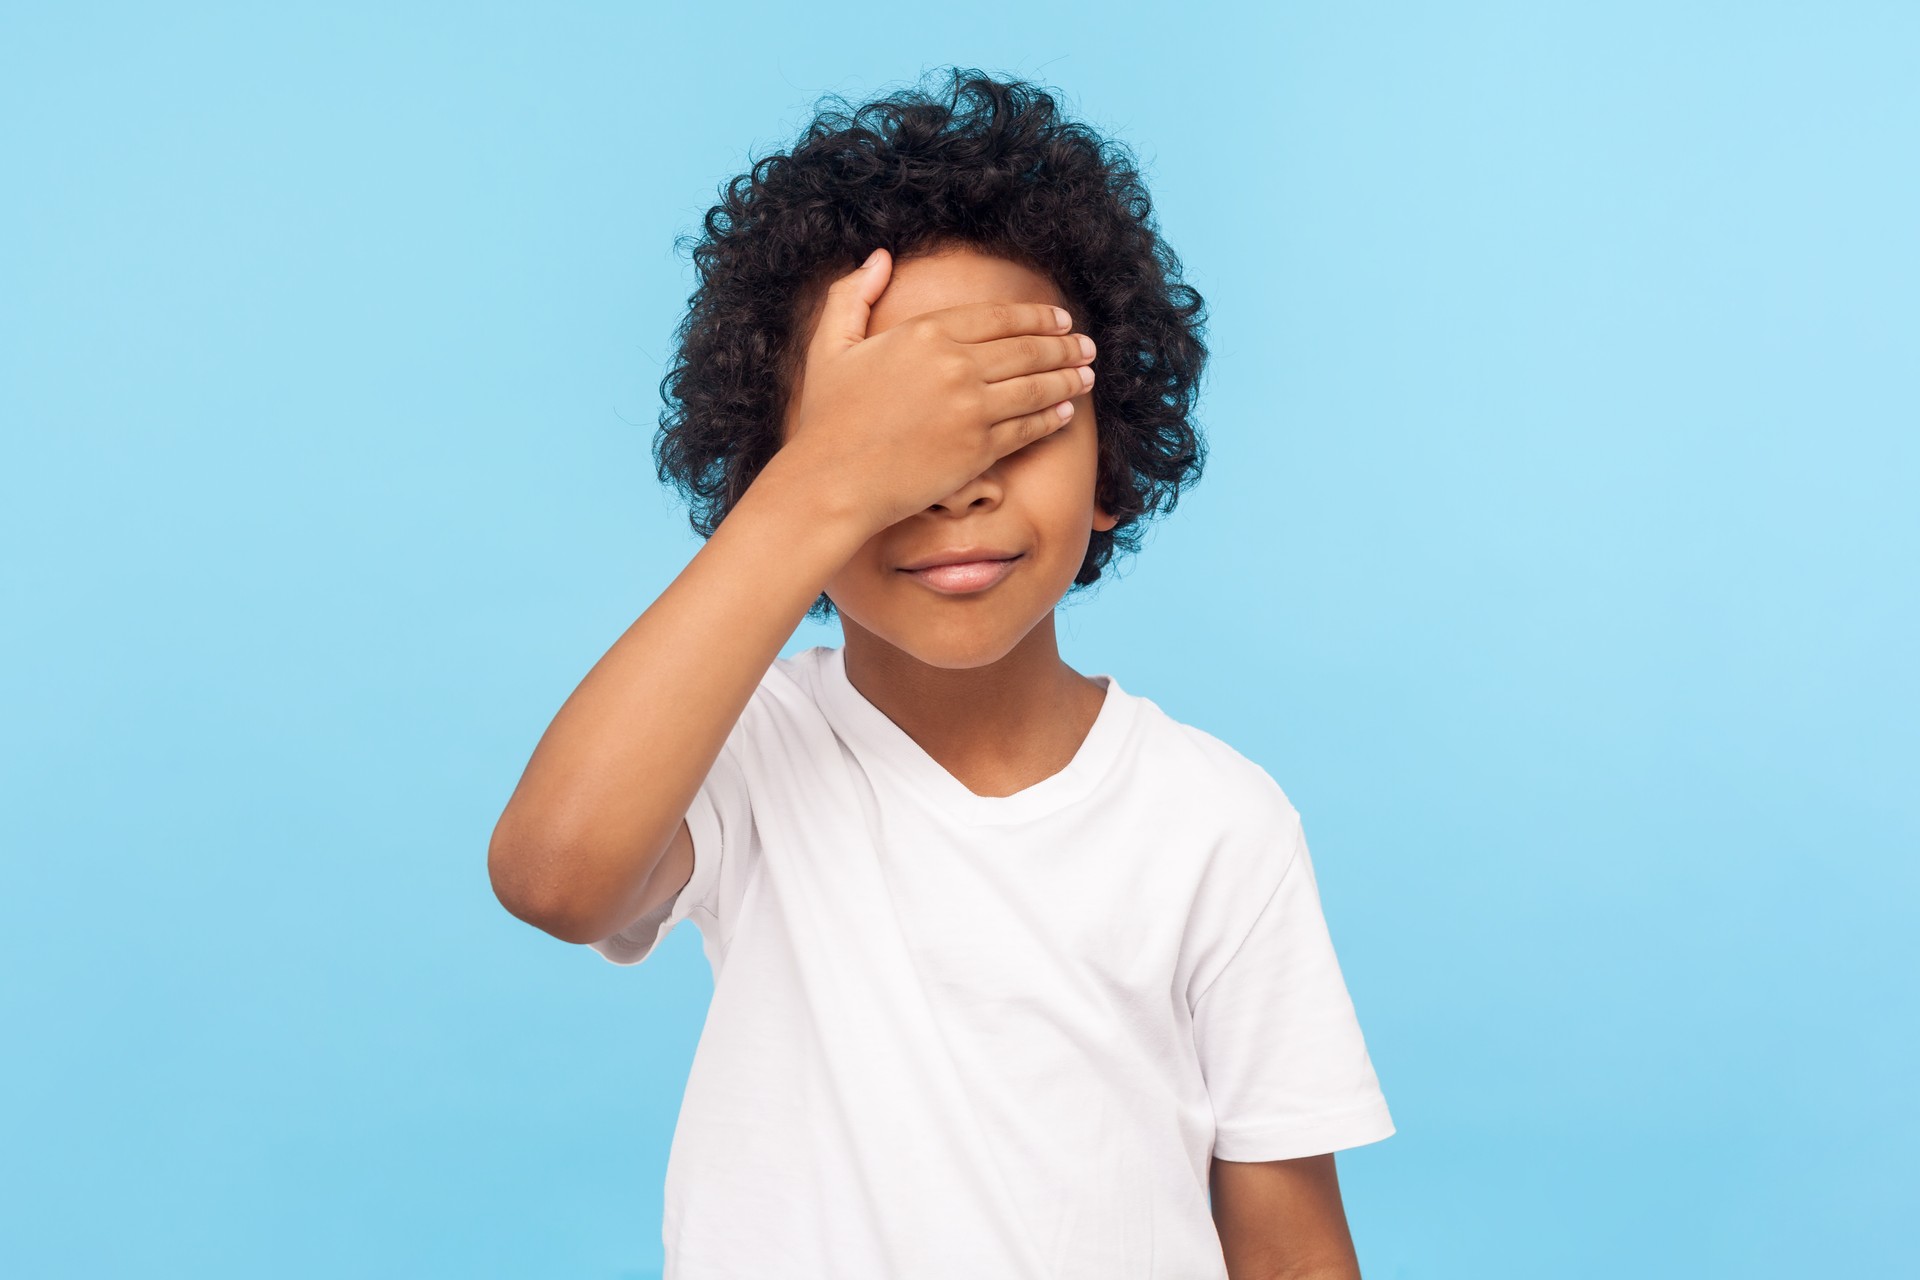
(1002, 315)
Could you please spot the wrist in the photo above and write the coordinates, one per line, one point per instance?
(800, 518)
(810, 497)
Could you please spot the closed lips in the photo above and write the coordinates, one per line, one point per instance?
(967, 555)
(963, 577)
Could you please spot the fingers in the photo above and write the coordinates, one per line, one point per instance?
(986, 321)
(848, 307)
(1016, 433)
(1035, 392)
(1010, 357)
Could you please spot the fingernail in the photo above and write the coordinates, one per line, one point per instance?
(1061, 318)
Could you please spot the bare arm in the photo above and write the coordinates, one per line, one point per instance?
(1282, 1220)
(878, 427)
(608, 786)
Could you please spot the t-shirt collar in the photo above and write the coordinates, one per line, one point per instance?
(874, 737)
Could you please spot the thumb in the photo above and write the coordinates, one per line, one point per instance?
(850, 299)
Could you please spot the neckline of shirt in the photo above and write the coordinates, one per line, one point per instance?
(867, 727)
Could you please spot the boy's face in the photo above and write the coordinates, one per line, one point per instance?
(1038, 501)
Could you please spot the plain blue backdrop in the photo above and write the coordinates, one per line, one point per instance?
(1556, 554)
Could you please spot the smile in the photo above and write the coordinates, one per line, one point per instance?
(962, 579)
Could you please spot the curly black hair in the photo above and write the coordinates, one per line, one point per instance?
(986, 163)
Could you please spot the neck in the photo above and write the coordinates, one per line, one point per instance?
(1025, 707)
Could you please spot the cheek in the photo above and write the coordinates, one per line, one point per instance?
(866, 567)
(1069, 470)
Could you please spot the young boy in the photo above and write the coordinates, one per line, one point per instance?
(1015, 976)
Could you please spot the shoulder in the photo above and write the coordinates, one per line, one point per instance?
(1207, 774)
(790, 686)
(783, 708)
(1238, 836)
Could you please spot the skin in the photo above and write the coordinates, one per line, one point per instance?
(977, 680)
(1282, 1220)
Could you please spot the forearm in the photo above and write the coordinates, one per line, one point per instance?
(612, 777)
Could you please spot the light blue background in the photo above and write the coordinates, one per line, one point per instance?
(1556, 555)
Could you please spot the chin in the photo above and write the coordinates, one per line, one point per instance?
(953, 642)
(953, 648)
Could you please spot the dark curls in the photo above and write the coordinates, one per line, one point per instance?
(985, 163)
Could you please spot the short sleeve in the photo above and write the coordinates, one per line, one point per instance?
(1280, 1047)
(718, 820)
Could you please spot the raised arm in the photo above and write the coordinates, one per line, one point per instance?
(609, 784)
(878, 428)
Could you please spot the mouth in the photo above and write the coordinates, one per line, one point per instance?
(966, 577)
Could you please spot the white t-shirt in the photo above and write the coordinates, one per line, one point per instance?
(963, 1036)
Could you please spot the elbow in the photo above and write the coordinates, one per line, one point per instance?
(540, 882)
(528, 881)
